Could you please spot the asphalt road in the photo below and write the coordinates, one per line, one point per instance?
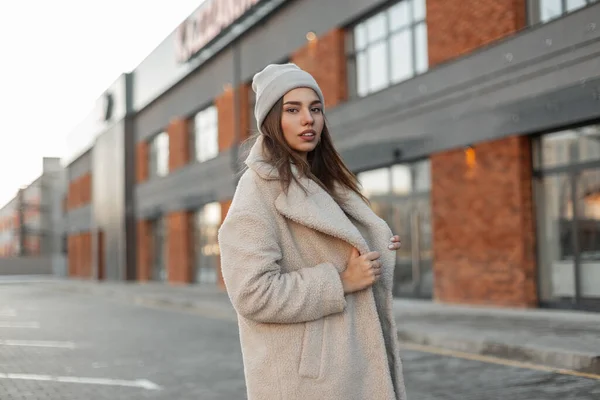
(66, 346)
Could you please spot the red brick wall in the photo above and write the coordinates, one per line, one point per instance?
(79, 256)
(245, 128)
(324, 58)
(483, 227)
(179, 262)
(141, 162)
(79, 191)
(484, 232)
(226, 123)
(456, 27)
(179, 143)
(144, 250)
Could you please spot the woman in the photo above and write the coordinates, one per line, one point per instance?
(307, 265)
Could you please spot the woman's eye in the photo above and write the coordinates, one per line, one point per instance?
(291, 110)
(316, 110)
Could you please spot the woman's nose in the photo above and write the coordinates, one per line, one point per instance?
(307, 117)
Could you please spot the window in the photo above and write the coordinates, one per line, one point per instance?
(206, 247)
(205, 134)
(567, 183)
(400, 194)
(547, 10)
(159, 155)
(388, 47)
(159, 270)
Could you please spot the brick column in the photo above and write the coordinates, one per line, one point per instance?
(179, 143)
(141, 162)
(144, 250)
(225, 118)
(325, 59)
(72, 255)
(484, 231)
(482, 211)
(457, 27)
(245, 128)
(179, 243)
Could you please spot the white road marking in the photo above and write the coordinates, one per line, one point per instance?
(38, 343)
(139, 383)
(7, 324)
(8, 312)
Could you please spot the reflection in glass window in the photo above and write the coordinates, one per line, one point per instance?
(375, 182)
(206, 248)
(205, 134)
(159, 250)
(568, 147)
(399, 194)
(159, 155)
(389, 47)
(547, 10)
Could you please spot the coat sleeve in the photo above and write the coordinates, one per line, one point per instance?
(258, 290)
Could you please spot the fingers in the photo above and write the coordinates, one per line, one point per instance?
(371, 256)
(394, 243)
(376, 269)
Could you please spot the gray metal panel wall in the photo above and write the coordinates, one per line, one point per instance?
(196, 91)
(81, 138)
(79, 219)
(540, 79)
(186, 188)
(285, 31)
(81, 166)
(108, 193)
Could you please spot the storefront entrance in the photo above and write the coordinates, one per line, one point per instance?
(400, 195)
(159, 250)
(567, 183)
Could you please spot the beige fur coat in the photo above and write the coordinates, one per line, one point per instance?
(281, 257)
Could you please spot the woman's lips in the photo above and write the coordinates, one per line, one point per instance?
(308, 137)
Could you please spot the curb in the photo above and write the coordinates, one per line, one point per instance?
(581, 362)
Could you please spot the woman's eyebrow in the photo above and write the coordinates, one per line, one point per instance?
(299, 103)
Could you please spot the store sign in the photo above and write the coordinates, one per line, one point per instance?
(206, 23)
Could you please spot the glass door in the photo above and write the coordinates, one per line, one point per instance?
(569, 235)
(587, 227)
(159, 243)
(410, 219)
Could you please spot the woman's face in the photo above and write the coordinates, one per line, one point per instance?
(302, 120)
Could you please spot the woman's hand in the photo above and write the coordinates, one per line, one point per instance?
(394, 243)
(361, 272)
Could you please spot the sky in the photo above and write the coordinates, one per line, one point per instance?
(59, 56)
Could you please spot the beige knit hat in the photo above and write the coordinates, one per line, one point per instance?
(274, 81)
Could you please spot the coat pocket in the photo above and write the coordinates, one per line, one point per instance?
(312, 349)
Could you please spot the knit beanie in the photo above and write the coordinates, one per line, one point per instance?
(274, 81)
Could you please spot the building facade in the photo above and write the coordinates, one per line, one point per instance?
(473, 126)
(31, 224)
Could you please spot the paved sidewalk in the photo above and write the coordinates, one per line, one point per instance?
(562, 339)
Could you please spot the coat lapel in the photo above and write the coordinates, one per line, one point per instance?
(317, 210)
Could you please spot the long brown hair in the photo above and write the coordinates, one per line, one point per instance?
(324, 166)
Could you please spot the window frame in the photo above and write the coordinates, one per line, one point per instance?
(195, 134)
(535, 14)
(351, 52)
(155, 156)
